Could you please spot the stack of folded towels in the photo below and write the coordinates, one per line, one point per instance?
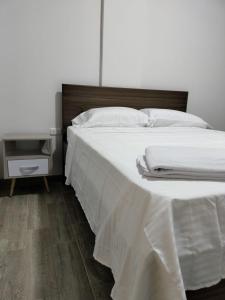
(183, 162)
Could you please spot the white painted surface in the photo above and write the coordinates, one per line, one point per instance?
(169, 45)
(44, 44)
(28, 167)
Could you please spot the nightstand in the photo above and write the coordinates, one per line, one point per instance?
(27, 155)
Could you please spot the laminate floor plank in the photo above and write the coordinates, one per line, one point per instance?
(15, 280)
(43, 274)
(14, 227)
(3, 205)
(70, 272)
(37, 212)
(61, 228)
(69, 201)
(100, 277)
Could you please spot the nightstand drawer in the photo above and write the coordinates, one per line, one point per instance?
(27, 167)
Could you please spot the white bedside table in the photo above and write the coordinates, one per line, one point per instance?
(27, 155)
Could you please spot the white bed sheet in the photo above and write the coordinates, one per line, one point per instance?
(158, 236)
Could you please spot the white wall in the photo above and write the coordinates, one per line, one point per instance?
(147, 43)
(169, 45)
(43, 44)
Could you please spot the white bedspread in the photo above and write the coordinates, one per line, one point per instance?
(158, 236)
(183, 162)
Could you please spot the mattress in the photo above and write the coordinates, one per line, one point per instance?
(159, 237)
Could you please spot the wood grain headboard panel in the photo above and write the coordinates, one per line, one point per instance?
(78, 98)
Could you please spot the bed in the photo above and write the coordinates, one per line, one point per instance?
(131, 216)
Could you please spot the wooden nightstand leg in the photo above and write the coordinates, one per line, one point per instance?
(13, 183)
(46, 184)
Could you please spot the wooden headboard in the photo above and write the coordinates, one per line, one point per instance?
(78, 98)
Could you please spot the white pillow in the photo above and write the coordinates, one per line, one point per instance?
(111, 117)
(173, 118)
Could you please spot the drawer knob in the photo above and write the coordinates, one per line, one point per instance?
(28, 170)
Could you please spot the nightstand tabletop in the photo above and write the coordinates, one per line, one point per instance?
(26, 136)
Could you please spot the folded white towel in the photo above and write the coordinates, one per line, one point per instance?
(183, 162)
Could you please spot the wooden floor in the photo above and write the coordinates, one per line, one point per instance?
(46, 247)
